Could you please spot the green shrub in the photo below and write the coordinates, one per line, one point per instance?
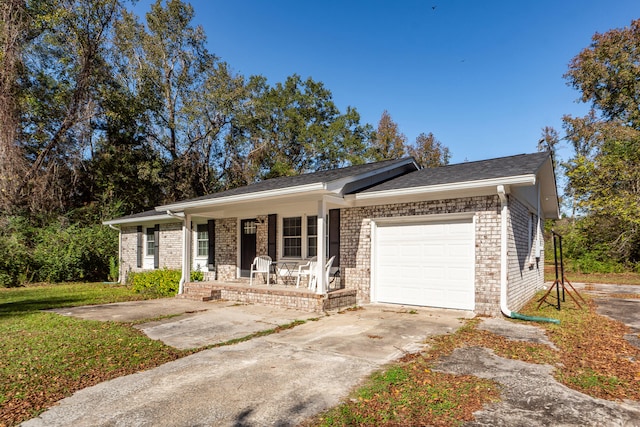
(161, 282)
(197, 276)
(74, 252)
(114, 270)
(15, 261)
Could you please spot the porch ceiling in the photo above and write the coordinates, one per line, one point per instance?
(307, 202)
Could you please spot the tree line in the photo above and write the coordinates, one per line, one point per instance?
(602, 195)
(105, 113)
(101, 106)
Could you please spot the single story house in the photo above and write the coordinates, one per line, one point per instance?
(464, 236)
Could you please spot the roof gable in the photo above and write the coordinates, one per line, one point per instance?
(523, 164)
(347, 177)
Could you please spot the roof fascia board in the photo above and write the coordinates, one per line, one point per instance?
(528, 179)
(340, 201)
(140, 220)
(248, 197)
(422, 197)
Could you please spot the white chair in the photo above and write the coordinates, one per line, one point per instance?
(313, 282)
(261, 264)
(307, 269)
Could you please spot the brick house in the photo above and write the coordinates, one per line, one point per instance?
(464, 236)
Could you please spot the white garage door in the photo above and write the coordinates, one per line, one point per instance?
(428, 264)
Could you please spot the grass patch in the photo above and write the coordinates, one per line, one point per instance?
(46, 357)
(258, 334)
(411, 393)
(595, 357)
(43, 297)
(626, 278)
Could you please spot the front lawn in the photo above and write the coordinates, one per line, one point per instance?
(46, 357)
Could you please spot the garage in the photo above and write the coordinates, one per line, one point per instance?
(430, 263)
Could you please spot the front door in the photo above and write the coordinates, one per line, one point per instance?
(248, 229)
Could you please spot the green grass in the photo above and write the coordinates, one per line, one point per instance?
(626, 278)
(33, 298)
(46, 357)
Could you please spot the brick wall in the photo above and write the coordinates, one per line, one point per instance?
(262, 235)
(128, 260)
(170, 255)
(226, 248)
(355, 243)
(525, 273)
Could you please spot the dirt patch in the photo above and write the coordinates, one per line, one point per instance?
(531, 396)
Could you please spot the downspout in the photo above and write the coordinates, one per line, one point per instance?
(504, 264)
(184, 277)
(119, 251)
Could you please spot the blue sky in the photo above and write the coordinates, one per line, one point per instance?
(483, 76)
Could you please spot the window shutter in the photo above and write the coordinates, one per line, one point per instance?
(156, 245)
(211, 235)
(139, 247)
(334, 236)
(272, 237)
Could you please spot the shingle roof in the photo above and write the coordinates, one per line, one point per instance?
(502, 167)
(304, 179)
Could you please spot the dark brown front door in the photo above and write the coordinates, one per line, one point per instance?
(248, 228)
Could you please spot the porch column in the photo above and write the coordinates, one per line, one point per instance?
(186, 252)
(322, 248)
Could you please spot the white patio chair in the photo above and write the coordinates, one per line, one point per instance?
(261, 264)
(306, 270)
(313, 282)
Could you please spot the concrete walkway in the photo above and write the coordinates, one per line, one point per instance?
(280, 379)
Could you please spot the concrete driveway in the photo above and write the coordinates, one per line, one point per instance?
(280, 379)
(287, 377)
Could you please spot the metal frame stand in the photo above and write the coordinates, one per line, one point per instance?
(560, 279)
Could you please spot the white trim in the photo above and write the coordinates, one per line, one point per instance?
(423, 218)
(141, 220)
(304, 248)
(186, 253)
(455, 186)
(346, 201)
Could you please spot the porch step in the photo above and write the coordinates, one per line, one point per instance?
(200, 291)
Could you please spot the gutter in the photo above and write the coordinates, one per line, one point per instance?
(504, 264)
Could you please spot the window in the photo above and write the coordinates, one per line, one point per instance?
(292, 236)
(202, 238)
(151, 242)
(250, 227)
(312, 236)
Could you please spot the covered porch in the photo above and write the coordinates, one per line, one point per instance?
(278, 295)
